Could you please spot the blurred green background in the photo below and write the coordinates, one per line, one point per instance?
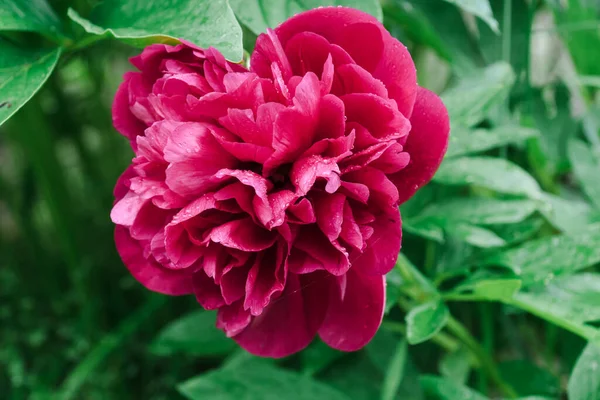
(497, 290)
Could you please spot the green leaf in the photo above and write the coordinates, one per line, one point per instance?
(496, 174)
(475, 235)
(576, 297)
(479, 8)
(479, 211)
(519, 232)
(497, 289)
(574, 16)
(261, 382)
(456, 365)
(569, 216)
(425, 321)
(29, 15)
(584, 383)
(258, 15)
(22, 74)
(586, 166)
(465, 141)
(471, 100)
(205, 23)
(195, 334)
(444, 389)
(528, 379)
(317, 356)
(394, 372)
(543, 259)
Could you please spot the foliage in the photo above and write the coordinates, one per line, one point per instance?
(496, 293)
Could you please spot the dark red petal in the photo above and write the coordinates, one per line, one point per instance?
(148, 272)
(383, 246)
(123, 120)
(384, 56)
(233, 318)
(426, 144)
(208, 293)
(354, 314)
(242, 234)
(266, 278)
(291, 321)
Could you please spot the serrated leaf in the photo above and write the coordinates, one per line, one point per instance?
(466, 141)
(425, 321)
(261, 382)
(479, 8)
(470, 101)
(584, 383)
(444, 389)
(543, 259)
(480, 211)
(22, 73)
(258, 15)
(496, 174)
(586, 166)
(205, 23)
(195, 334)
(28, 15)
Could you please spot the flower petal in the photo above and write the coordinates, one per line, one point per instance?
(354, 314)
(291, 321)
(148, 272)
(426, 144)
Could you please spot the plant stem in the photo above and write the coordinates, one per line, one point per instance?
(487, 330)
(486, 362)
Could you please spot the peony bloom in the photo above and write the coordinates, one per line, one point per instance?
(272, 194)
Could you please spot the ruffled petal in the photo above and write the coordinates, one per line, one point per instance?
(148, 272)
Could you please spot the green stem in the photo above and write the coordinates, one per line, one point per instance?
(486, 362)
(487, 331)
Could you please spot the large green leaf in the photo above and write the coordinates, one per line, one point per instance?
(584, 383)
(567, 215)
(471, 100)
(496, 174)
(576, 297)
(474, 235)
(203, 22)
(466, 141)
(28, 15)
(479, 8)
(258, 15)
(260, 382)
(586, 165)
(22, 74)
(194, 334)
(425, 321)
(480, 211)
(543, 259)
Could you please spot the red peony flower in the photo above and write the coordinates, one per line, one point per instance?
(272, 194)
